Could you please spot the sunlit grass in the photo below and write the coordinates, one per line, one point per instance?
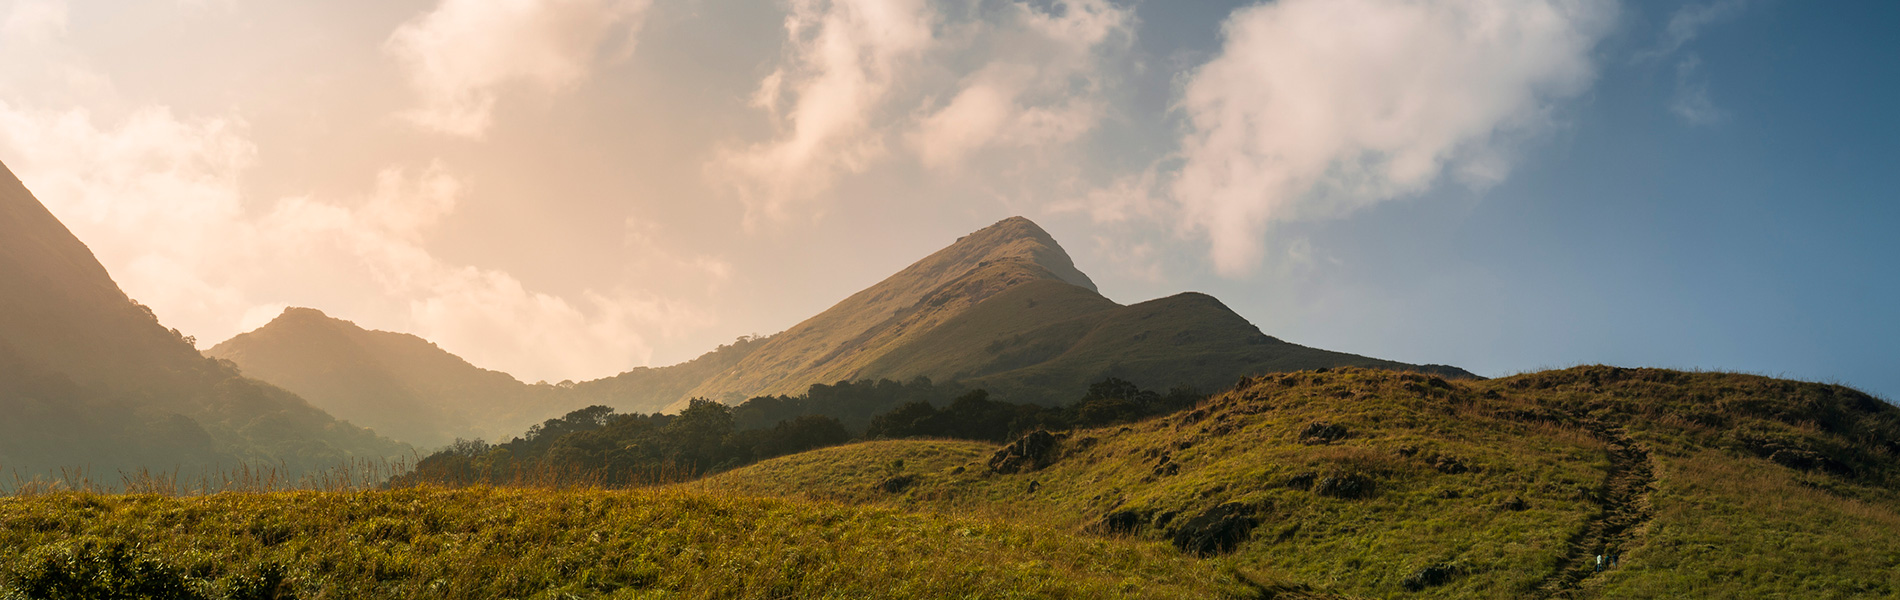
(520, 543)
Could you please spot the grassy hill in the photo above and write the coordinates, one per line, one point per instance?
(520, 543)
(90, 379)
(1385, 484)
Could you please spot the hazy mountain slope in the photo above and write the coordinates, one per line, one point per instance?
(651, 389)
(397, 384)
(90, 378)
(408, 388)
(1385, 484)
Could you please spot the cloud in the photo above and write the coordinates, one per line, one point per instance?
(158, 199)
(1315, 108)
(34, 21)
(648, 258)
(860, 74)
(460, 55)
(1689, 21)
(1691, 101)
(1039, 89)
(1124, 198)
(845, 57)
(1692, 95)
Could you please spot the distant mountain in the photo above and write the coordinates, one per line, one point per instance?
(408, 388)
(1003, 308)
(89, 378)
(397, 384)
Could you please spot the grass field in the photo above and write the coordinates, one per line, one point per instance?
(530, 543)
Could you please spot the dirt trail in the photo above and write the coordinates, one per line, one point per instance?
(1624, 507)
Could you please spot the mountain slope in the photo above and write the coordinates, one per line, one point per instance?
(397, 384)
(410, 389)
(1042, 340)
(836, 344)
(90, 378)
(1381, 484)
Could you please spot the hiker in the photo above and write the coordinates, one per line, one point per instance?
(1613, 559)
(1599, 563)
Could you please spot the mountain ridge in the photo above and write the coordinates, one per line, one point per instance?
(1003, 308)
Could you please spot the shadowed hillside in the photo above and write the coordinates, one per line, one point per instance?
(90, 379)
(397, 384)
(408, 388)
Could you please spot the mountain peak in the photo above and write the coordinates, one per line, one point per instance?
(1016, 238)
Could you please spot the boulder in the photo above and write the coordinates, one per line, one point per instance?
(1322, 432)
(1032, 452)
(1430, 576)
(1349, 485)
(1123, 522)
(897, 483)
(1217, 531)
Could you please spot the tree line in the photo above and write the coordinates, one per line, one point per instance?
(595, 445)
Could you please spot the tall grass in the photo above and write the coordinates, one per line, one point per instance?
(243, 477)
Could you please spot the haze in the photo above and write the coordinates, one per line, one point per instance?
(564, 189)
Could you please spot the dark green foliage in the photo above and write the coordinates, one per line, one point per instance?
(594, 445)
(852, 403)
(974, 416)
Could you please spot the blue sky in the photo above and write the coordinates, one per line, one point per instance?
(569, 188)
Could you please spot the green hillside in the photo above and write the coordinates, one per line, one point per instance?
(89, 379)
(546, 544)
(1385, 484)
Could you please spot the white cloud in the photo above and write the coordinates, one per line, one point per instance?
(1124, 198)
(1039, 89)
(1314, 108)
(859, 73)
(157, 198)
(845, 57)
(461, 54)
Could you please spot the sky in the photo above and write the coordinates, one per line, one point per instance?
(566, 189)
